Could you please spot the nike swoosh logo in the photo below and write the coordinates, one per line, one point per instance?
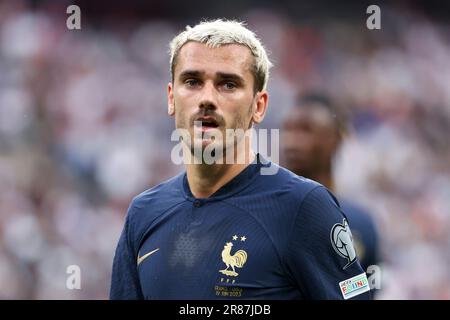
(140, 259)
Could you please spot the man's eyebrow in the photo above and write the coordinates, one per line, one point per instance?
(191, 73)
(230, 76)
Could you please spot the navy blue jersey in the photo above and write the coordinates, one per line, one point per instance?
(258, 237)
(365, 235)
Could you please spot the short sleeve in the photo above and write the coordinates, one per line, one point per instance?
(321, 258)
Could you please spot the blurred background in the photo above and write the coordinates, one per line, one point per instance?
(83, 126)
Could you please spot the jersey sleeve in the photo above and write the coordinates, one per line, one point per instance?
(321, 257)
(125, 279)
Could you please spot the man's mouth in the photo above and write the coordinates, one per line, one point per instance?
(206, 123)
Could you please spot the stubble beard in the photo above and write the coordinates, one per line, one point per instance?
(239, 123)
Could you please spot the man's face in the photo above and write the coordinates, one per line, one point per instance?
(309, 140)
(213, 86)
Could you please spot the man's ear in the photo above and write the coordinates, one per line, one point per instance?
(170, 101)
(262, 100)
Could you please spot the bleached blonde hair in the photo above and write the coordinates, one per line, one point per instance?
(221, 32)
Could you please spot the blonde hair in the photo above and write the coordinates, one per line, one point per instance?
(220, 32)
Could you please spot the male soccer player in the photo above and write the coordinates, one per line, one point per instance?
(225, 230)
(312, 134)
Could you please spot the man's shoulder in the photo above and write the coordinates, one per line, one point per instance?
(286, 181)
(283, 191)
(148, 206)
(304, 196)
(159, 197)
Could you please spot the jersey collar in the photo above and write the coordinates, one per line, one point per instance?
(235, 185)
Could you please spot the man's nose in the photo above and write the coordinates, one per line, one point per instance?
(208, 99)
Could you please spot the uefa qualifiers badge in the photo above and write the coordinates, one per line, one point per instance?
(342, 241)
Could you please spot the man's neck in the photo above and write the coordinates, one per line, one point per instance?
(204, 180)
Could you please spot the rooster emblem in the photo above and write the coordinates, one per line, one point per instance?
(238, 260)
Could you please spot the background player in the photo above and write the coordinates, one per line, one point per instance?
(312, 134)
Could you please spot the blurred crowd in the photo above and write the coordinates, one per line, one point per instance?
(84, 128)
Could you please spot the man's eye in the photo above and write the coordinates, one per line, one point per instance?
(230, 85)
(191, 82)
